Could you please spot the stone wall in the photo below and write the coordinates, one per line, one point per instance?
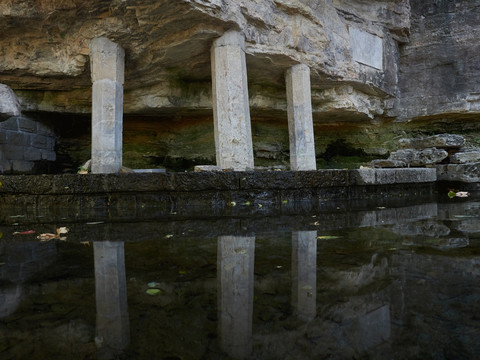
(26, 145)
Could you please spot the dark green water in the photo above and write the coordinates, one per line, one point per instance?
(377, 283)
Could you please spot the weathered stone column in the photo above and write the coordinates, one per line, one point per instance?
(231, 111)
(304, 274)
(107, 66)
(113, 325)
(300, 120)
(235, 278)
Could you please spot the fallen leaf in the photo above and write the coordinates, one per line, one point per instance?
(182, 272)
(28, 232)
(168, 236)
(232, 203)
(153, 291)
(85, 243)
(462, 194)
(153, 284)
(46, 236)
(327, 237)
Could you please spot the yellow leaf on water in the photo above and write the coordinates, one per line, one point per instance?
(153, 291)
(327, 237)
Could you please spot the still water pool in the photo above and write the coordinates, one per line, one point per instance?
(369, 283)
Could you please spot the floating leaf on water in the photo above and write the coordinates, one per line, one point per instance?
(452, 194)
(259, 206)
(327, 237)
(62, 230)
(232, 203)
(182, 272)
(248, 203)
(462, 194)
(153, 284)
(28, 232)
(285, 201)
(168, 236)
(154, 291)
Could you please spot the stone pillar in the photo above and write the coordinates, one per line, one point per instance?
(304, 274)
(300, 120)
(235, 294)
(113, 327)
(107, 66)
(231, 112)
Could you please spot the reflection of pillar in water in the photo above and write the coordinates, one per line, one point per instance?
(235, 259)
(113, 331)
(304, 274)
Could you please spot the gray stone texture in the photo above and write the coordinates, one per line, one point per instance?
(9, 103)
(459, 172)
(439, 65)
(304, 274)
(413, 157)
(231, 109)
(367, 49)
(235, 277)
(442, 141)
(107, 73)
(463, 157)
(388, 163)
(300, 118)
(113, 324)
(24, 142)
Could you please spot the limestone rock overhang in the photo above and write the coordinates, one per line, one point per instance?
(45, 56)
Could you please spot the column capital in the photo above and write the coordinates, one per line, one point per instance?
(107, 60)
(231, 38)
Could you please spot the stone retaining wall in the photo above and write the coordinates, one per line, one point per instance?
(207, 194)
(25, 145)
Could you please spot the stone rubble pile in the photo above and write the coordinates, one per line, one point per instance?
(446, 152)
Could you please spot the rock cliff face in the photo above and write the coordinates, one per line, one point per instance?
(371, 62)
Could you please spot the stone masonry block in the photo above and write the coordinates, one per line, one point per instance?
(32, 154)
(10, 124)
(18, 138)
(26, 124)
(419, 175)
(39, 141)
(48, 155)
(362, 177)
(384, 176)
(22, 166)
(13, 152)
(5, 165)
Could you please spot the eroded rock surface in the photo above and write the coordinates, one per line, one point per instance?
(45, 50)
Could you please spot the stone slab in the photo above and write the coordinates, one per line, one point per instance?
(367, 49)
